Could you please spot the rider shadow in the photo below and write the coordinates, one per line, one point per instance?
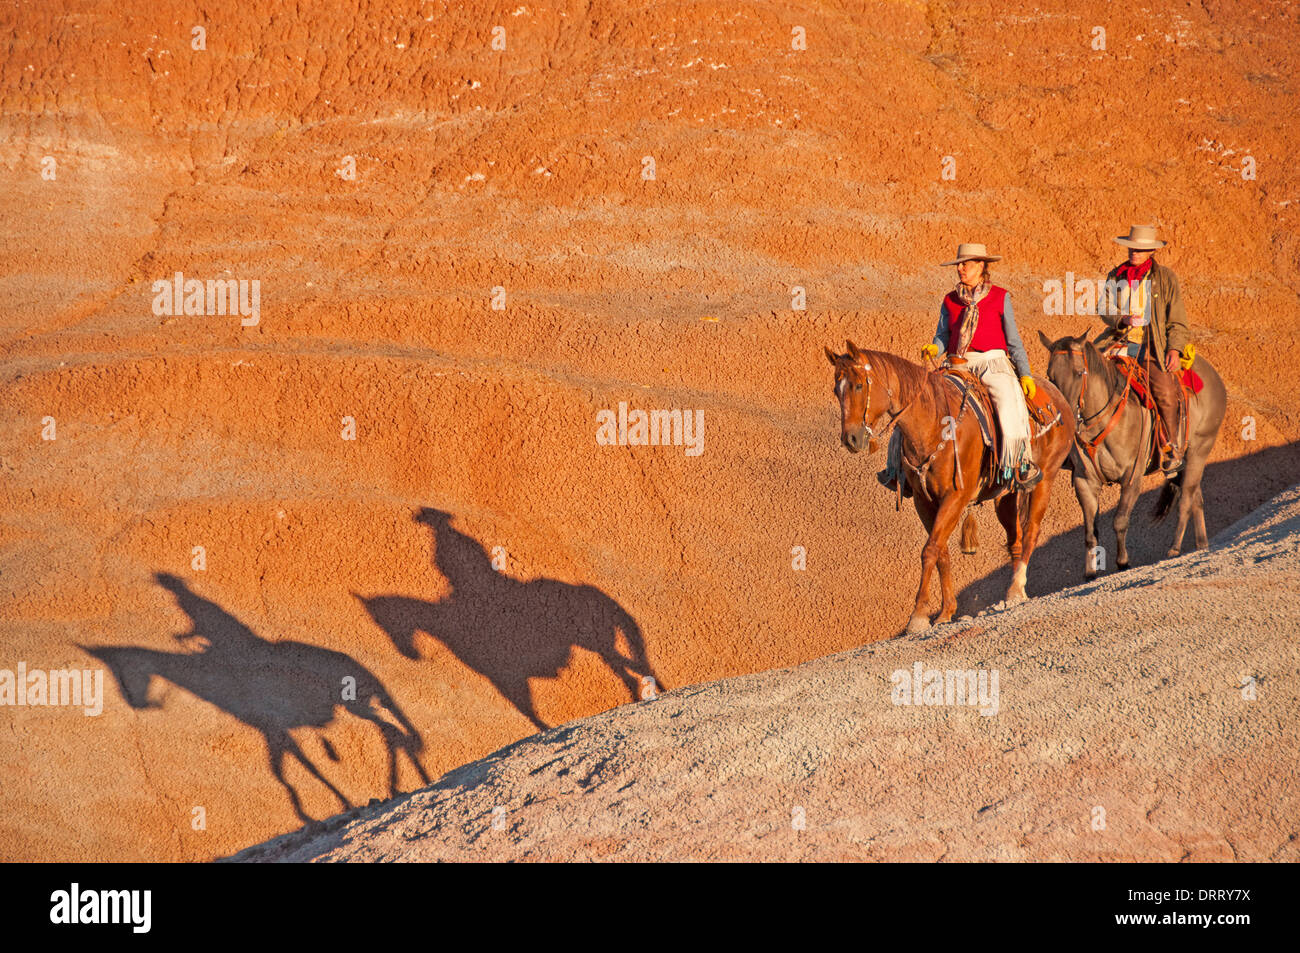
(1232, 489)
(510, 631)
(271, 686)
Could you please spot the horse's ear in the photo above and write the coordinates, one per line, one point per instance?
(831, 356)
(854, 351)
(1084, 336)
(1046, 343)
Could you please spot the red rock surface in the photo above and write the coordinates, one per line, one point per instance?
(522, 168)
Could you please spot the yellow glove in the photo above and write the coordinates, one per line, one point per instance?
(1189, 355)
(1027, 385)
(930, 350)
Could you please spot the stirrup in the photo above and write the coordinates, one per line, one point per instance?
(1031, 478)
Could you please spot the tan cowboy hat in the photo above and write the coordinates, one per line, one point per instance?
(971, 252)
(1141, 237)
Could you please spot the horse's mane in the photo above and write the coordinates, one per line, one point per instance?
(913, 379)
(1097, 364)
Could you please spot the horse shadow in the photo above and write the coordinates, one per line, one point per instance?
(270, 686)
(507, 630)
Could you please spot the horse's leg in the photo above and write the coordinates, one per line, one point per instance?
(1009, 517)
(275, 748)
(941, 527)
(948, 593)
(1085, 491)
(1128, 497)
(920, 618)
(926, 511)
(948, 605)
(1039, 497)
(1202, 539)
(1189, 499)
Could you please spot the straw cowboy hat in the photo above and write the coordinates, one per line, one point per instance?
(1141, 237)
(971, 252)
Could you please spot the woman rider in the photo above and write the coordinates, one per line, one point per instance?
(976, 323)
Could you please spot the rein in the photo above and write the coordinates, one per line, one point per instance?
(866, 405)
(1091, 445)
(919, 468)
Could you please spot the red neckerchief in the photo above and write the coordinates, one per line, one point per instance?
(1135, 274)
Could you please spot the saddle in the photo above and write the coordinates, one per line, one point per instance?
(1043, 414)
(974, 393)
(1136, 373)
(1042, 411)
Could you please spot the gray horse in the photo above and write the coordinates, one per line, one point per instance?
(1093, 385)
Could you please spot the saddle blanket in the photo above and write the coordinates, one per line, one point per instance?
(1132, 367)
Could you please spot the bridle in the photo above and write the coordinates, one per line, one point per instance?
(1091, 445)
(866, 405)
(924, 465)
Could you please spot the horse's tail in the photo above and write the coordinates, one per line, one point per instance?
(1169, 495)
(969, 534)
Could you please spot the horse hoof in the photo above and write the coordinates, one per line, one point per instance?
(1172, 554)
(918, 623)
(1089, 576)
(1120, 567)
(1015, 598)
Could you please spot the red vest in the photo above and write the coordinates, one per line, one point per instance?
(988, 334)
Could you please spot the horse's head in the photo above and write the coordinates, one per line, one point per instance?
(399, 617)
(1067, 363)
(132, 667)
(861, 404)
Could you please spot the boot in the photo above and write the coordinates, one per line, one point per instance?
(1028, 477)
(890, 481)
(1178, 452)
(1173, 462)
(1166, 394)
(1171, 459)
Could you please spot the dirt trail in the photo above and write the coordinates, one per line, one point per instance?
(380, 170)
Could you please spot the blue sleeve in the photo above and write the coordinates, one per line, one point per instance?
(1015, 349)
(941, 332)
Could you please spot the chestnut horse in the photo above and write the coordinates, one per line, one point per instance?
(944, 459)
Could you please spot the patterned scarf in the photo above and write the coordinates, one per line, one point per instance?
(970, 313)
